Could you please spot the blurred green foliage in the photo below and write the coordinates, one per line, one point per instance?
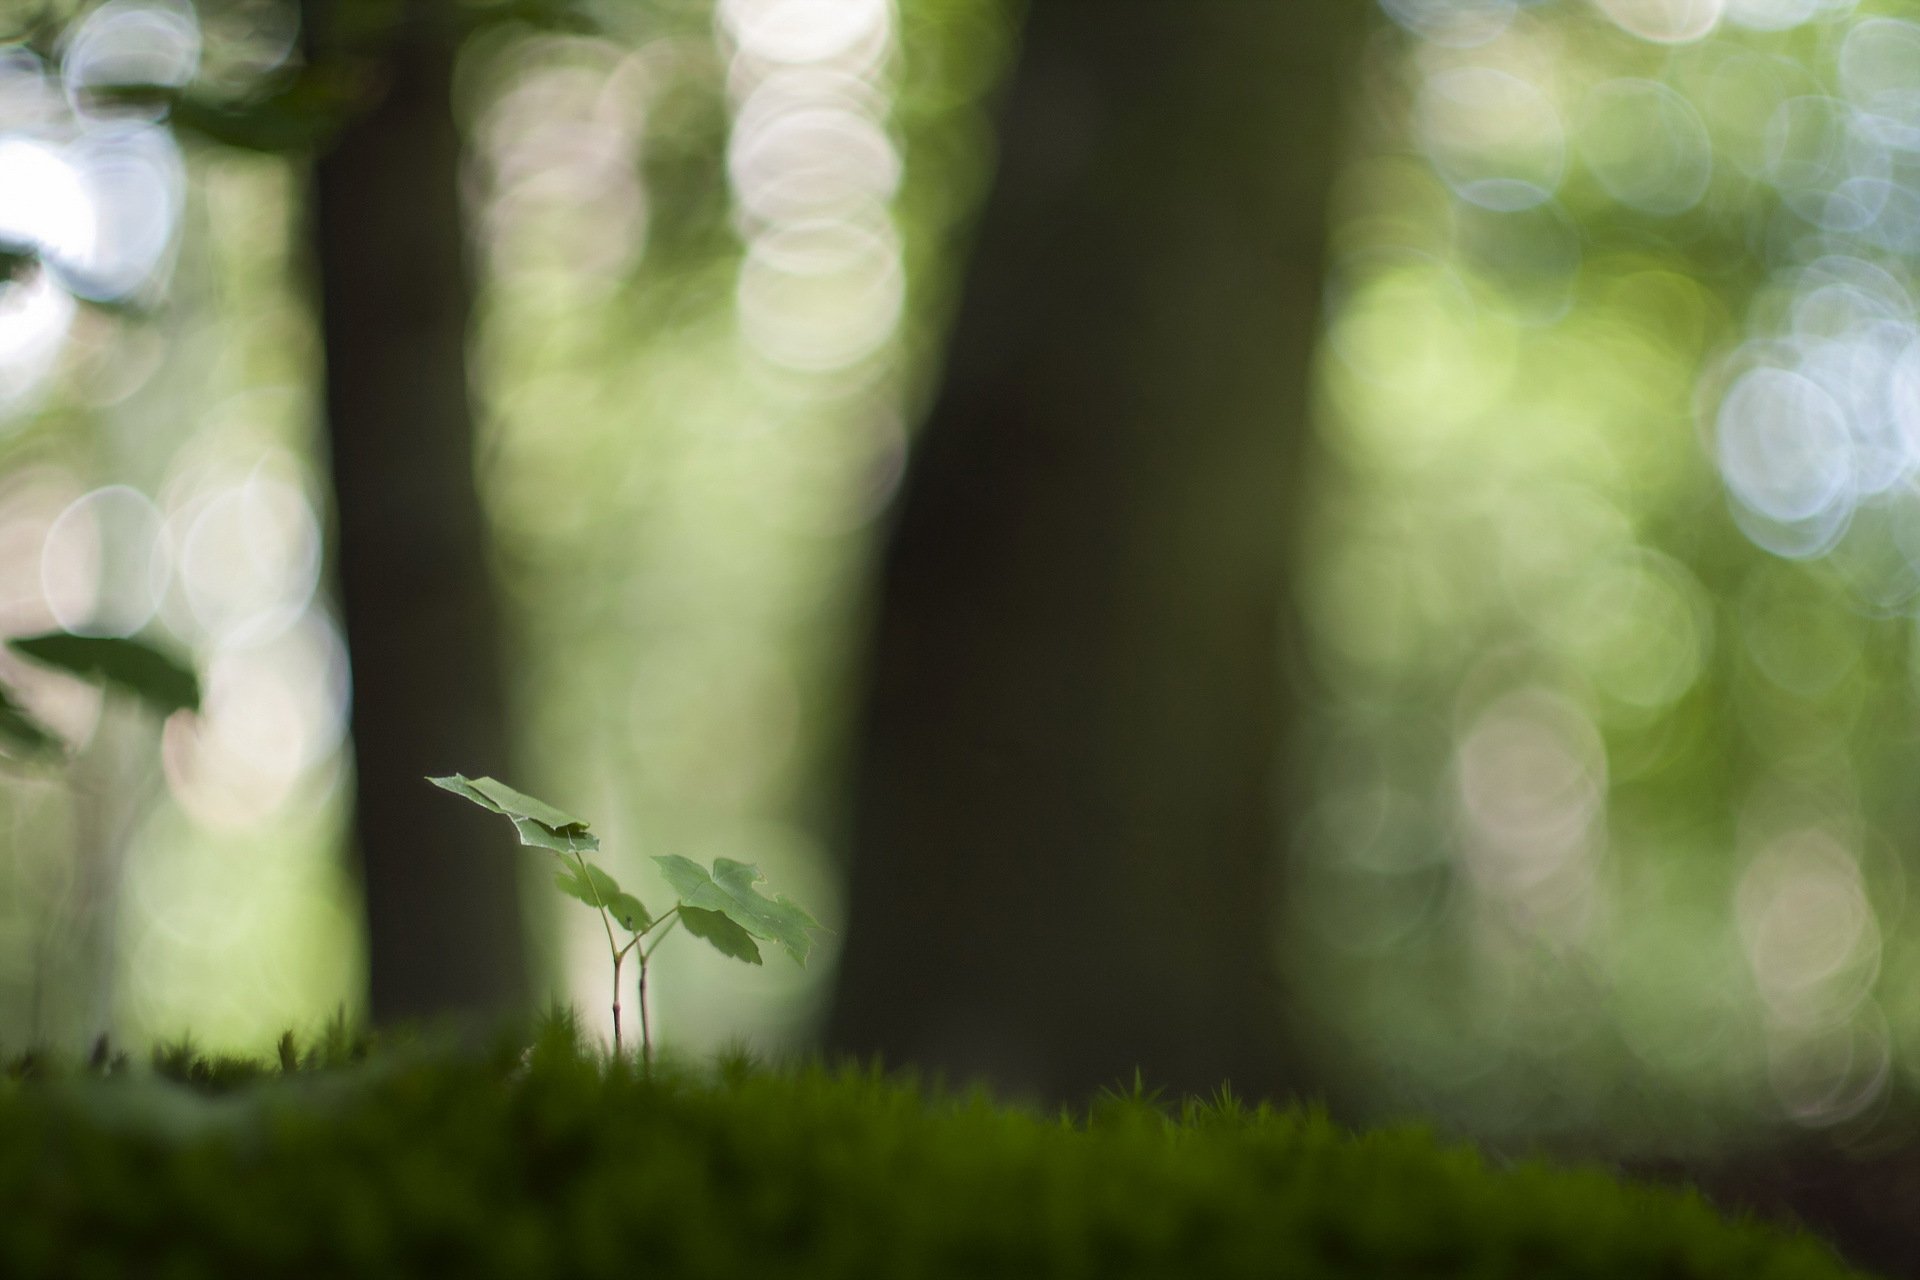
(1612, 802)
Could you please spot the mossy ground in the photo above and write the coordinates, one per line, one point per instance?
(556, 1162)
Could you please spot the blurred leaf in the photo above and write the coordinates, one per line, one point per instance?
(541, 826)
(275, 126)
(302, 111)
(20, 262)
(294, 113)
(23, 736)
(545, 15)
(160, 680)
(728, 938)
(730, 890)
(17, 260)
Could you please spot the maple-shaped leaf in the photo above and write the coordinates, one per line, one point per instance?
(726, 937)
(540, 825)
(730, 890)
(598, 889)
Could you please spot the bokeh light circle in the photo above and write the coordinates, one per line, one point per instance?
(1495, 138)
(1783, 445)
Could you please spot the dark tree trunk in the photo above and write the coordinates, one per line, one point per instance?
(1065, 810)
(444, 926)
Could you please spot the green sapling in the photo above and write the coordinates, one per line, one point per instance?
(721, 906)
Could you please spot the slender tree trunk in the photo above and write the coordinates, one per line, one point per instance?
(443, 918)
(1065, 807)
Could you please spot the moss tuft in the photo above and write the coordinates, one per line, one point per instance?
(552, 1160)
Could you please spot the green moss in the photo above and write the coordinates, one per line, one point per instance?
(555, 1162)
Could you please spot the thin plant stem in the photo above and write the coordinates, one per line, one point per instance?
(618, 956)
(648, 953)
(637, 938)
(606, 921)
(666, 917)
(670, 919)
(646, 1033)
(613, 948)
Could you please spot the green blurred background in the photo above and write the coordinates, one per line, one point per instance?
(1609, 565)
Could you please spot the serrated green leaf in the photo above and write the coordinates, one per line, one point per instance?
(688, 879)
(157, 678)
(729, 889)
(22, 736)
(538, 835)
(596, 888)
(785, 920)
(628, 913)
(728, 938)
(501, 798)
(539, 824)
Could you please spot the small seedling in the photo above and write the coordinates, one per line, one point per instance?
(722, 906)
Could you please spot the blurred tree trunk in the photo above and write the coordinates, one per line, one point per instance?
(1066, 783)
(443, 917)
